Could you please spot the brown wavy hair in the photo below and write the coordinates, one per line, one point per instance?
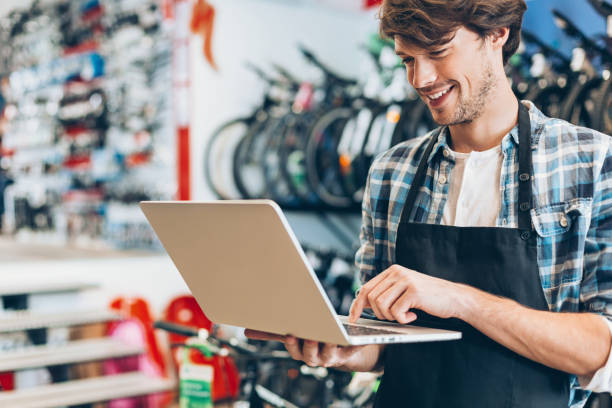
(433, 23)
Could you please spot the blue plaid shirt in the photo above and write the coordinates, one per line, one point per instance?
(571, 212)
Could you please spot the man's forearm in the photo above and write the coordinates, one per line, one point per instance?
(367, 359)
(577, 343)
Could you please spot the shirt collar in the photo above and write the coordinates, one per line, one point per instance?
(536, 117)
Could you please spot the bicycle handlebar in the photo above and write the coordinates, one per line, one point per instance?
(572, 30)
(244, 349)
(546, 49)
(602, 7)
(328, 72)
(176, 328)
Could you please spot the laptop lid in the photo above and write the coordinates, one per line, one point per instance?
(244, 266)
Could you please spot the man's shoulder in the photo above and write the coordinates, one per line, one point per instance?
(561, 136)
(406, 154)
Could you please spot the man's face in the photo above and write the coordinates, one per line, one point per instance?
(454, 80)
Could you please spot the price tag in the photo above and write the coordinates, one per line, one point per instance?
(195, 386)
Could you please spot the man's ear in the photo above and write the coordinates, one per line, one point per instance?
(499, 37)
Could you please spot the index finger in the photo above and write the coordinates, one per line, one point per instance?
(361, 301)
(261, 335)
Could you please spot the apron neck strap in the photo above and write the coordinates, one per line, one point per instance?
(524, 195)
(524, 200)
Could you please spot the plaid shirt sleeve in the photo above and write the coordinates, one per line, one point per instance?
(364, 259)
(596, 288)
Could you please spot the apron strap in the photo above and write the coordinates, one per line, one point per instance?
(419, 177)
(524, 197)
(524, 184)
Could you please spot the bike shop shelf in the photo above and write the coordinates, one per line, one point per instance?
(86, 391)
(77, 351)
(43, 350)
(26, 320)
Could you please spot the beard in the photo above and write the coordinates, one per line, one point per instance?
(470, 109)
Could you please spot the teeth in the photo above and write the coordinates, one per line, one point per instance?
(438, 95)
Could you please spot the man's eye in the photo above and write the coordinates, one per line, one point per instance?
(407, 60)
(438, 53)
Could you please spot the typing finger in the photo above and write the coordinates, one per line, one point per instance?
(361, 301)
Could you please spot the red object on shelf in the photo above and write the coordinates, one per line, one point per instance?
(138, 308)
(78, 162)
(7, 381)
(137, 159)
(87, 46)
(226, 377)
(6, 152)
(371, 3)
(93, 13)
(90, 195)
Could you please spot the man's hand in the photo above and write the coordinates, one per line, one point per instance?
(315, 354)
(393, 293)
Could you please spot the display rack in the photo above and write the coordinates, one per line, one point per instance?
(64, 354)
(86, 391)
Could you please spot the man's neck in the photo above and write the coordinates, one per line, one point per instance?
(488, 130)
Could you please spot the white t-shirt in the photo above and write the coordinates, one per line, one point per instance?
(474, 200)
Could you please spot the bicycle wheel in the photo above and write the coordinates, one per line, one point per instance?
(354, 162)
(603, 103)
(322, 159)
(218, 157)
(420, 121)
(549, 98)
(248, 173)
(579, 104)
(277, 187)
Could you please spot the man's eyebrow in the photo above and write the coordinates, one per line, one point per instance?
(399, 52)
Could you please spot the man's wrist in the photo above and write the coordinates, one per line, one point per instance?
(468, 302)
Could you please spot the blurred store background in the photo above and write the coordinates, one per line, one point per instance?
(105, 103)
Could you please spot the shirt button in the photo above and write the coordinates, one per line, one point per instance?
(442, 180)
(504, 222)
(563, 222)
(445, 153)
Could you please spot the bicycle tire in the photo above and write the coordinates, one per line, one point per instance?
(277, 187)
(326, 134)
(420, 121)
(603, 103)
(220, 184)
(247, 171)
(575, 109)
(292, 153)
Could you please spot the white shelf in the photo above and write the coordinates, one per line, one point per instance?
(73, 352)
(26, 288)
(85, 391)
(24, 320)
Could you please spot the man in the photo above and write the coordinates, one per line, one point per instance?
(491, 224)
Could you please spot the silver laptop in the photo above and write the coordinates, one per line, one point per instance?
(245, 267)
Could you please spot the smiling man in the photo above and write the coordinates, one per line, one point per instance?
(498, 223)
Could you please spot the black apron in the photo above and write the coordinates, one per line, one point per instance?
(475, 371)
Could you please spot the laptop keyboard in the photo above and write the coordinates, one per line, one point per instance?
(354, 330)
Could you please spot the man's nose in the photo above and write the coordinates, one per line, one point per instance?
(423, 74)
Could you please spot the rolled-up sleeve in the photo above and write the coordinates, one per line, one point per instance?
(596, 288)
